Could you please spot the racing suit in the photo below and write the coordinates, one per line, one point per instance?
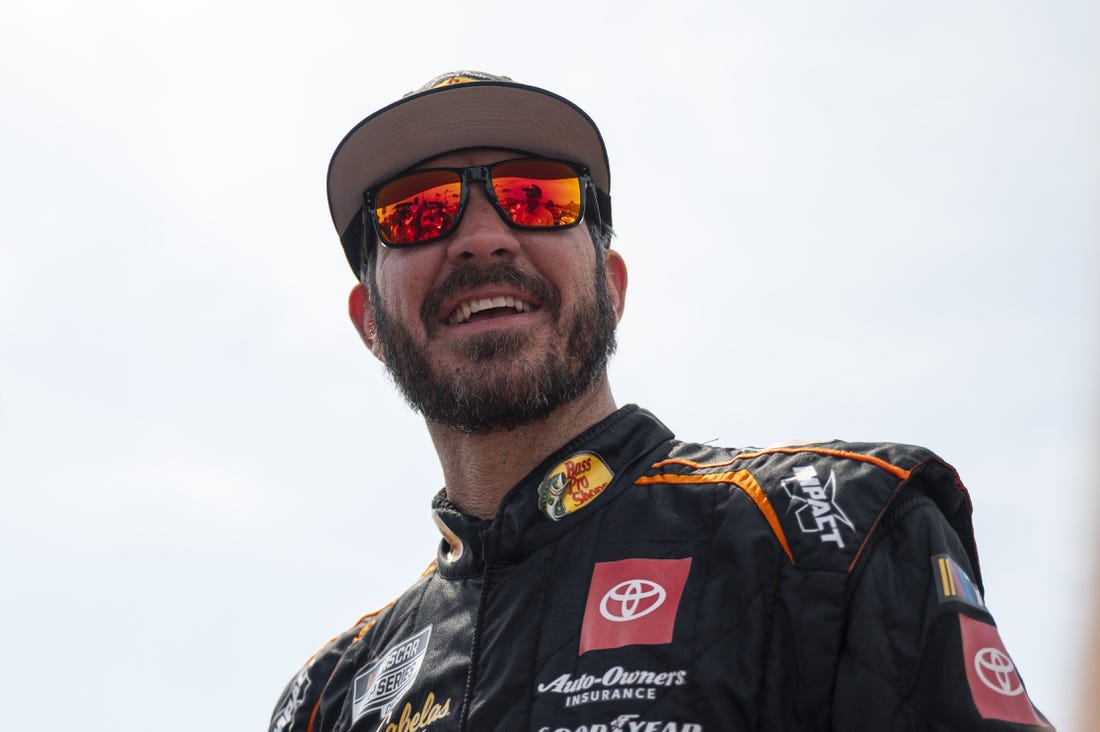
(634, 582)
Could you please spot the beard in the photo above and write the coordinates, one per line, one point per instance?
(500, 389)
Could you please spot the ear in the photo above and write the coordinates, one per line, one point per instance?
(616, 281)
(361, 312)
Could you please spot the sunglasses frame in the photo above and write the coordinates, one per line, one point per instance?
(469, 176)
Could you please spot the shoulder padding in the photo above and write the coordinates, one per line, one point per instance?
(823, 501)
(829, 498)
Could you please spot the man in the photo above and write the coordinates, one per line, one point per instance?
(533, 212)
(596, 574)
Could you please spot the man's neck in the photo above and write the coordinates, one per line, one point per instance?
(480, 469)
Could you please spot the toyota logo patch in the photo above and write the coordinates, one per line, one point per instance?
(630, 599)
(995, 685)
(633, 602)
(997, 671)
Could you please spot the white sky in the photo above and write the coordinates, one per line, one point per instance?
(204, 475)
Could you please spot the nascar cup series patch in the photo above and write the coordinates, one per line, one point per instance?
(573, 483)
(380, 686)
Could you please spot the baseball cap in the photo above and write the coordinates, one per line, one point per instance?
(456, 110)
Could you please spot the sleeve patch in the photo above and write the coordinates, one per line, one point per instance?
(995, 684)
(295, 696)
(953, 584)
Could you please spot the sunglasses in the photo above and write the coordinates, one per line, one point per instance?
(528, 193)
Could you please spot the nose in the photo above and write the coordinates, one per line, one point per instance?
(481, 234)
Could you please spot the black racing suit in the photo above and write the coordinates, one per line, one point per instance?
(634, 582)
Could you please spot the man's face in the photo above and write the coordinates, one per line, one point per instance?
(494, 327)
(532, 200)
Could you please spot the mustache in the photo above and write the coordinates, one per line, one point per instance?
(499, 273)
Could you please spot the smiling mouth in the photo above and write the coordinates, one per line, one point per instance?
(488, 307)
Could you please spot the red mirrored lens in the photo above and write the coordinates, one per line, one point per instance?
(418, 207)
(538, 193)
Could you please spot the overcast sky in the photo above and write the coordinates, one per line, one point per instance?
(888, 231)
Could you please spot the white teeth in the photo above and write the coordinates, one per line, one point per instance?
(464, 310)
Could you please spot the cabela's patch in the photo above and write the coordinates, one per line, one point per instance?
(573, 483)
(430, 711)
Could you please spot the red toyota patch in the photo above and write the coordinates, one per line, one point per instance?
(633, 602)
(995, 685)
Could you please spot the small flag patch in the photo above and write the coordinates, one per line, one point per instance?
(953, 584)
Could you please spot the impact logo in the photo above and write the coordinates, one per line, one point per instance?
(283, 721)
(815, 505)
(380, 686)
(572, 484)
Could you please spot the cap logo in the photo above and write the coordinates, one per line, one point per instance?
(458, 77)
(455, 80)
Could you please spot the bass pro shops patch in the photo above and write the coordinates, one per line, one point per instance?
(573, 484)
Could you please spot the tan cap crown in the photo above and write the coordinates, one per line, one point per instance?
(454, 111)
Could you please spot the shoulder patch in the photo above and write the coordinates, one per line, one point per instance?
(995, 684)
(814, 505)
(287, 708)
(953, 584)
